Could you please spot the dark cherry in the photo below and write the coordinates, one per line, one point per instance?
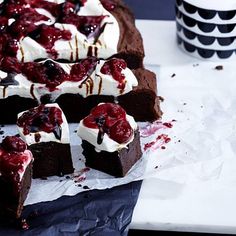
(121, 131)
(41, 118)
(111, 119)
(114, 68)
(13, 144)
(49, 73)
(10, 65)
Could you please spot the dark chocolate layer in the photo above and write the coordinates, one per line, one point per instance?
(11, 203)
(114, 163)
(130, 46)
(51, 158)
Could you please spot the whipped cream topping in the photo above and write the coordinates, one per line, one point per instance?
(79, 46)
(96, 84)
(26, 157)
(31, 138)
(108, 145)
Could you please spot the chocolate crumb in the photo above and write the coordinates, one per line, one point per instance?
(219, 67)
(67, 177)
(44, 178)
(1, 132)
(75, 131)
(156, 167)
(79, 185)
(85, 187)
(179, 141)
(161, 99)
(2, 125)
(184, 103)
(173, 75)
(194, 65)
(163, 147)
(60, 180)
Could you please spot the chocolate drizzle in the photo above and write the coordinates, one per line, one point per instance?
(100, 122)
(57, 132)
(9, 80)
(89, 85)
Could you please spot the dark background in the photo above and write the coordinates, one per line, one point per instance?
(153, 9)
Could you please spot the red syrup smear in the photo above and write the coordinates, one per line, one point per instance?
(152, 128)
(81, 175)
(158, 143)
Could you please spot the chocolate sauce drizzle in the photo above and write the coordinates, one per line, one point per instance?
(9, 80)
(100, 122)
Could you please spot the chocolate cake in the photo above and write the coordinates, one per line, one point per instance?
(77, 87)
(69, 30)
(110, 139)
(45, 130)
(15, 176)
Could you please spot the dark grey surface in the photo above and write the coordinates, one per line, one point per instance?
(153, 9)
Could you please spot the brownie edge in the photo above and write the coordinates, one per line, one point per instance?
(51, 158)
(114, 163)
(11, 202)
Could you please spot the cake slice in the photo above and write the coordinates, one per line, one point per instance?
(110, 139)
(45, 130)
(15, 176)
(77, 87)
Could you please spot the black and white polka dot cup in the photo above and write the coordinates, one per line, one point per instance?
(207, 29)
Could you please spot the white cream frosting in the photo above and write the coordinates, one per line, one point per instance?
(79, 45)
(27, 157)
(96, 84)
(44, 136)
(109, 145)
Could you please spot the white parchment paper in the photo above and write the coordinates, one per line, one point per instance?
(194, 141)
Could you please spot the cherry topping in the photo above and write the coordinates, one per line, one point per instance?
(80, 70)
(48, 73)
(13, 144)
(114, 68)
(41, 118)
(48, 35)
(121, 131)
(10, 65)
(111, 119)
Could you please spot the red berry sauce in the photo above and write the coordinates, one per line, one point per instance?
(114, 68)
(49, 73)
(109, 118)
(41, 118)
(12, 160)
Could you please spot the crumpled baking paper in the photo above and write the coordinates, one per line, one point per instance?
(193, 142)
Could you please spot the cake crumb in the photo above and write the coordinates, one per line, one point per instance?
(161, 98)
(163, 147)
(219, 67)
(173, 75)
(156, 167)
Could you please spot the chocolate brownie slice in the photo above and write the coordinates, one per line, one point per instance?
(110, 139)
(15, 176)
(45, 130)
